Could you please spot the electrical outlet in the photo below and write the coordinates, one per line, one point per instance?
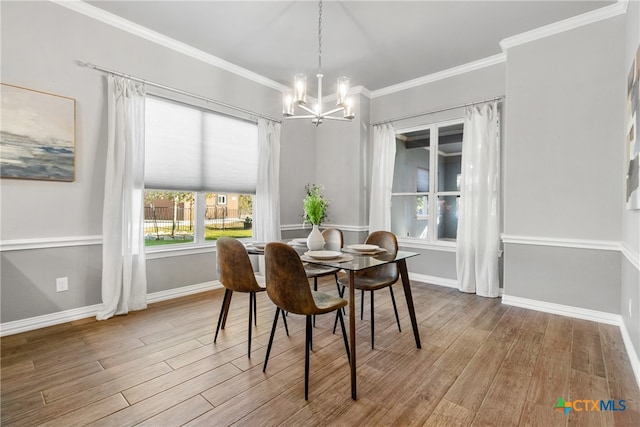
(62, 284)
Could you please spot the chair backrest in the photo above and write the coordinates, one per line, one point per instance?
(287, 284)
(234, 266)
(388, 241)
(333, 239)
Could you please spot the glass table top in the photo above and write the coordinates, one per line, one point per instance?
(359, 262)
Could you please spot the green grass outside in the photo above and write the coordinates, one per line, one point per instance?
(209, 234)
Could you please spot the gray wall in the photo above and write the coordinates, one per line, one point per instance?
(630, 278)
(26, 274)
(562, 165)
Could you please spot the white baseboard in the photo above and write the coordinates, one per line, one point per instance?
(32, 323)
(563, 310)
(183, 291)
(631, 352)
(440, 281)
(585, 314)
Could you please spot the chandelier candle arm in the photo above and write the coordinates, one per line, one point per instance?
(298, 96)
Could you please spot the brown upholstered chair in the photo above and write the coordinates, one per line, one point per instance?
(236, 275)
(288, 288)
(375, 278)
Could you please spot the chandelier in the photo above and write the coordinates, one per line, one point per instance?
(298, 95)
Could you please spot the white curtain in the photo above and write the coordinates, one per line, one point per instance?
(478, 241)
(384, 157)
(266, 211)
(124, 276)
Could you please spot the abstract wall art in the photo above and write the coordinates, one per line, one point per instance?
(37, 135)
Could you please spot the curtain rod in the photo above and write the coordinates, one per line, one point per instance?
(171, 89)
(497, 98)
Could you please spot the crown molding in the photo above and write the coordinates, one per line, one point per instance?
(441, 75)
(568, 24)
(606, 12)
(565, 25)
(356, 90)
(145, 33)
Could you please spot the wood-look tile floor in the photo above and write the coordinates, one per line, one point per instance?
(481, 363)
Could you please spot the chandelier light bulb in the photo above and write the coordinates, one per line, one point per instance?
(287, 103)
(300, 87)
(348, 109)
(343, 90)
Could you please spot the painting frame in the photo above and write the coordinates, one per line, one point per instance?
(632, 139)
(37, 135)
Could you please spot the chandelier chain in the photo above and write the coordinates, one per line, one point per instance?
(320, 37)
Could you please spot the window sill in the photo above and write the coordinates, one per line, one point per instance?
(179, 250)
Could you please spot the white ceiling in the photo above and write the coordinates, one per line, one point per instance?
(377, 43)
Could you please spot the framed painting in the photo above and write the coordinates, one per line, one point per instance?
(632, 139)
(37, 135)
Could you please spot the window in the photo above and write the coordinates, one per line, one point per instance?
(426, 182)
(200, 174)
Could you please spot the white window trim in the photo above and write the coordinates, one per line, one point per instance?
(431, 243)
(199, 245)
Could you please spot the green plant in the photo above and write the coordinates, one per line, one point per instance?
(315, 204)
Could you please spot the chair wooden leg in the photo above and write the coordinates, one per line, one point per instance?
(395, 309)
(372, 322)
(273, 332)
(361, 303)
(227, 295)
(306, 358)
(344, 335)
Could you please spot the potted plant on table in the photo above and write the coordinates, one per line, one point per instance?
(315, 211)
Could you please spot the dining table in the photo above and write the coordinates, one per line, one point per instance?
(351, 262)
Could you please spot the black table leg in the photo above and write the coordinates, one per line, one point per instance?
(352, 331)
(404, 274)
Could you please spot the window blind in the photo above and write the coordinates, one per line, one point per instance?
(188, 149)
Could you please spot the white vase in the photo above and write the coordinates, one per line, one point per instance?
(315, 241)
